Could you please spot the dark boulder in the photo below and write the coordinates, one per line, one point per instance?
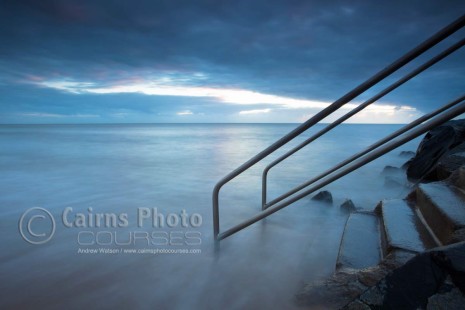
(408, 154)
(436, 143)
(390, 170)
(451, 259)
(348, 205)
(406, 165)
(450, 162)
(410, 286)
(323, 196)
(451, 299)
(417, 284)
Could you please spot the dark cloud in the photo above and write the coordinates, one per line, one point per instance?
(304, 49)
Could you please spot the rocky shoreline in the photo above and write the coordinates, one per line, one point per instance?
(407, 279)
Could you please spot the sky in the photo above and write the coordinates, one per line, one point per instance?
(218, 61)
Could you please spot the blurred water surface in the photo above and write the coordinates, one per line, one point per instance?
(171, 167)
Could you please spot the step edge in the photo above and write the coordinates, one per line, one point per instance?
(428, 228)
(441, 223)
(341, 266)
(390, 243)
(454, 191)
(338, 264)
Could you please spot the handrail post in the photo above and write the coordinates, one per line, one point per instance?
(264, 188)
(216, 213)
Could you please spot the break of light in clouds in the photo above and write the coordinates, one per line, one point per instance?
(209, 61)
(259, 111)
(233, 96)
(384, 113)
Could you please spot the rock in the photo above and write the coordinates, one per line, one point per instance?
(450, 162)
(370, 276)
(406, 165)
(348, 205)
(390, 170)
(436, 143)
(345, 285)
(458, 236)
(450, 300)
(410, 286)
(332, 293)
(408, 154)
(374, 296)
(393, 182)
(452, 260)
(323, 196)
(457, 178)
(423, 281)
(397, 258)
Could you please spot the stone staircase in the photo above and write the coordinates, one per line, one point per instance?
(407, 253)
(432, 215)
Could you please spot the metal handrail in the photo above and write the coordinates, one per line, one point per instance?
(414, 53)
(345, 117)
(379, 143)
(442, 118)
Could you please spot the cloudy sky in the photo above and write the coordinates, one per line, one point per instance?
(216, 61)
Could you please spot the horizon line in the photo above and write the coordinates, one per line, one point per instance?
(196, 123)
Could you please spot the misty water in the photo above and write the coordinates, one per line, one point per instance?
(121, 168)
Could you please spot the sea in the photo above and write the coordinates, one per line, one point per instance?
(119, 216)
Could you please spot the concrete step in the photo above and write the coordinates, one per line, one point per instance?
(443, 207)
(360, 246)
(402, 228)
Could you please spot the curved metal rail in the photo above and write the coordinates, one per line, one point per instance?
(444, 117)
(345, 117)
(396, 65)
